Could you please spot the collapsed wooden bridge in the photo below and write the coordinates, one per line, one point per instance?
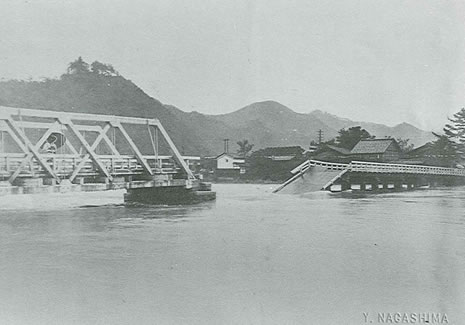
(49, 151)
(314, 175)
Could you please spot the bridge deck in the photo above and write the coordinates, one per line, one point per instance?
(373, 167)
(366, 167)
(64, 165)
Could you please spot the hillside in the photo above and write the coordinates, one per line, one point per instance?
(264, 124)
(270, 123)
(403, 130)
(99, 94)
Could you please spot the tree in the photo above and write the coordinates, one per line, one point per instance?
(445, 151)
(455, 131)
(244, 147)
(404, 145)
(349, 138)
(78, 67)
(331, 142)
(103, 69)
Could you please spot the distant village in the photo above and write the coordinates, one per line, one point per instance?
(273, 164)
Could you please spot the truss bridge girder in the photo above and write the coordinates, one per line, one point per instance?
(65, 146)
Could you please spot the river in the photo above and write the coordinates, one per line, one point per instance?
(251, 257)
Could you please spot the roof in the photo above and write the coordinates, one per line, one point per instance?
(282, 158)
(372, 146)
(343, 151)
(223, 154)
(282, 151)
(239, 159)
(420, 150)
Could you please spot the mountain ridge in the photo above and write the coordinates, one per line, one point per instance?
(265, 124)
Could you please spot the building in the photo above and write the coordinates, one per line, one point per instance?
(281, 153)
(382, 150)
(229, 166)
(379, 150)
(440, 153)
(227, 161)
(273, 163)
(332, 153)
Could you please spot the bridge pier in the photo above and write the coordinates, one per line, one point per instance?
(168, 195)
(5, 184)
(355, 187)
(367, 187)
(358, 181)
(49, 181)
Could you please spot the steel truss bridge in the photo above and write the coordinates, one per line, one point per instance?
(61, 147)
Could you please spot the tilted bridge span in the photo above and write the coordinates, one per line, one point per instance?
(314, 175)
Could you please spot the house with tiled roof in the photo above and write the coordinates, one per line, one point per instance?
(281, 153)
(328, 152)
(383, 150)
(379, 150)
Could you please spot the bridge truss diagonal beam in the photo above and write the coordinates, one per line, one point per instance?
(17, 122)
(23, 163)
(67, 122)
(102, 136)
(29, 156)
(134, 148)
(28, 147)
(176, 153)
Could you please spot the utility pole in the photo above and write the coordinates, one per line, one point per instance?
(320, 136)
(226, 145)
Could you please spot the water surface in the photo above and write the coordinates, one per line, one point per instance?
(251, 257)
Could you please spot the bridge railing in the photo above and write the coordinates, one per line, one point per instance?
(64, 165)
(310, 163)
(373, 167)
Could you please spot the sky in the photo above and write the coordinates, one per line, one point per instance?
(386, 61)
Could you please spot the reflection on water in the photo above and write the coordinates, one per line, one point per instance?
(251, 257)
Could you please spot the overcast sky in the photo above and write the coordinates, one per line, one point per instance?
(382, 61)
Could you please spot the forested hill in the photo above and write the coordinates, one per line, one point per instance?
(99, 89)
(97, 93)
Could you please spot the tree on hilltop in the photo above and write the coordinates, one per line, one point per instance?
(103, 69)
(78, 67)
